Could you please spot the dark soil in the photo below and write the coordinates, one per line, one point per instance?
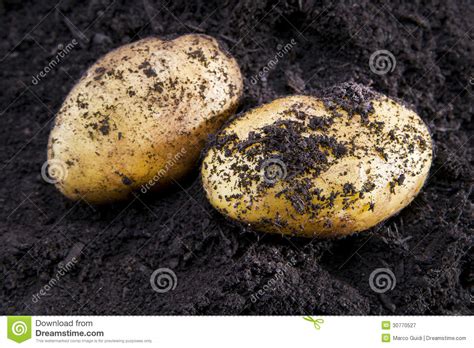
(222, 268)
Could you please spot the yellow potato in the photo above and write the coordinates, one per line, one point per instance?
(322, 167)
(140, 116)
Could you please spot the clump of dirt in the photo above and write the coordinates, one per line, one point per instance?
(352, 98)
(221, 268)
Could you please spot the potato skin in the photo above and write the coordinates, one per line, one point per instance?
(347, 161)
(138, 109)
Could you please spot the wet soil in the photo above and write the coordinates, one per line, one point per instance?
(222, 268)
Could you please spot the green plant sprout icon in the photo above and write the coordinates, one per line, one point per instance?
(316, 322)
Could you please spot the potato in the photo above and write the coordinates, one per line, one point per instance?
(327, 166)
(140, 116)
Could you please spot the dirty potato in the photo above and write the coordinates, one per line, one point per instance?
(139, 117)
(326, 166)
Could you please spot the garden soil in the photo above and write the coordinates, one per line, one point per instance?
(283, 48)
